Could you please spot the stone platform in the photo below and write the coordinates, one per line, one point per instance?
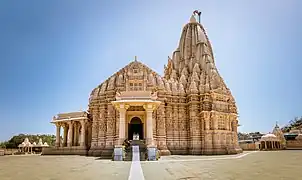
(65, 151)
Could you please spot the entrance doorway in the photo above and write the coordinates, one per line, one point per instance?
(135, 127)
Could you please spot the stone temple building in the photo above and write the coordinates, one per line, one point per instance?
(188, 110)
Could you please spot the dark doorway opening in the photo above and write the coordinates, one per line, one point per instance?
(135, 127)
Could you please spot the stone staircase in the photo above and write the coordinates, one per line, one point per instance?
(142, 150)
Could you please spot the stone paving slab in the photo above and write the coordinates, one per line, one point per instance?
(260, 165)
(61, 168)
(276, 165)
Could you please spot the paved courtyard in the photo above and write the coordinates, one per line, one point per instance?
(250, 165)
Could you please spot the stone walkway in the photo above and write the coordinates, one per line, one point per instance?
(136, 172)
(247, 166)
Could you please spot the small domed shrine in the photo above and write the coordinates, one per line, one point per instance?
(188, 110)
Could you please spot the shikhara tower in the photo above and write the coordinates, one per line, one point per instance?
(188, 111)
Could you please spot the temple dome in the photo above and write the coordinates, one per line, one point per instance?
(119, 79)
(269, 137)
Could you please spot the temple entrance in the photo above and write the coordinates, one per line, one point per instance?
(135, 127)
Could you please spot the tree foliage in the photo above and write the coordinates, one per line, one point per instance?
(296, 123)
(18, 139)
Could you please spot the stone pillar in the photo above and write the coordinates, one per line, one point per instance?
(70, 133)
(65, 127)
(175, 127)
(122, 122)
(161, 130)
(182, 125)
(102, 126)
(75, 133)
(58, 126)
(149, 110)
(110, 133)
(83, 133)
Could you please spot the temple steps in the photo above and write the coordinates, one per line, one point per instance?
(142, 150)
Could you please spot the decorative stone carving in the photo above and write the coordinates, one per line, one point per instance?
(196, 68)
(160, 82)
(183, 80)
(181, 88)
(193, 87)
(151, 79)
(174, 86)
(184, 71)
(174, 74)
(118, 96)
(120, 80)
(103, 87)
(154, 96)
(197, 113)
(167, 85)
(111, 84)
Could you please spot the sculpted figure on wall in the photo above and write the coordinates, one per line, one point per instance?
(151, 79)
(120, 80)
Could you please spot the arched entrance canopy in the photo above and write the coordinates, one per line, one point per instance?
(145, 99)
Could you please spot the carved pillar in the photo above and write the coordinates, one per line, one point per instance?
(208, 133)
(75, 133)
(149, 109)
(95, 127)
(58, 126)
(202, 124)
(110, 133)
(182, 124)
(161, 128)
(194, 123)
(169, 127)
(65, 129)
(175, 125)
(83, 133)
(216, 141)
(102, 126)
(154, 119)
(70, 132)
(122, 122)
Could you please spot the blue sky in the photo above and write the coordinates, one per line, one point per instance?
(54, 53)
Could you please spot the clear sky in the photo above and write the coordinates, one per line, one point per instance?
(53, 53)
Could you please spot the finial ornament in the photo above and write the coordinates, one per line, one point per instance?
(135, 58)
(198, 13)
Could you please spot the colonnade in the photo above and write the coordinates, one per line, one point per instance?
(74, 133)
(270, 145)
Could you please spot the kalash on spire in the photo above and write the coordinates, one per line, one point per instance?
(188, 111)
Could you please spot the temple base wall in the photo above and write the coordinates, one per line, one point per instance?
(65, 151)
(293, 144)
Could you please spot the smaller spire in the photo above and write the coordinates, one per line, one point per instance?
(135, 58)
(277, 124)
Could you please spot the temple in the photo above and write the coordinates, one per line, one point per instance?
(188, 110)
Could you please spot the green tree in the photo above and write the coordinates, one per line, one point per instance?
(18, 139)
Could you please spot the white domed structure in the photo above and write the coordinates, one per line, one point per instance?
(269, 142)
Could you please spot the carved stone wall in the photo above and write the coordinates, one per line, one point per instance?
(198, 114)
